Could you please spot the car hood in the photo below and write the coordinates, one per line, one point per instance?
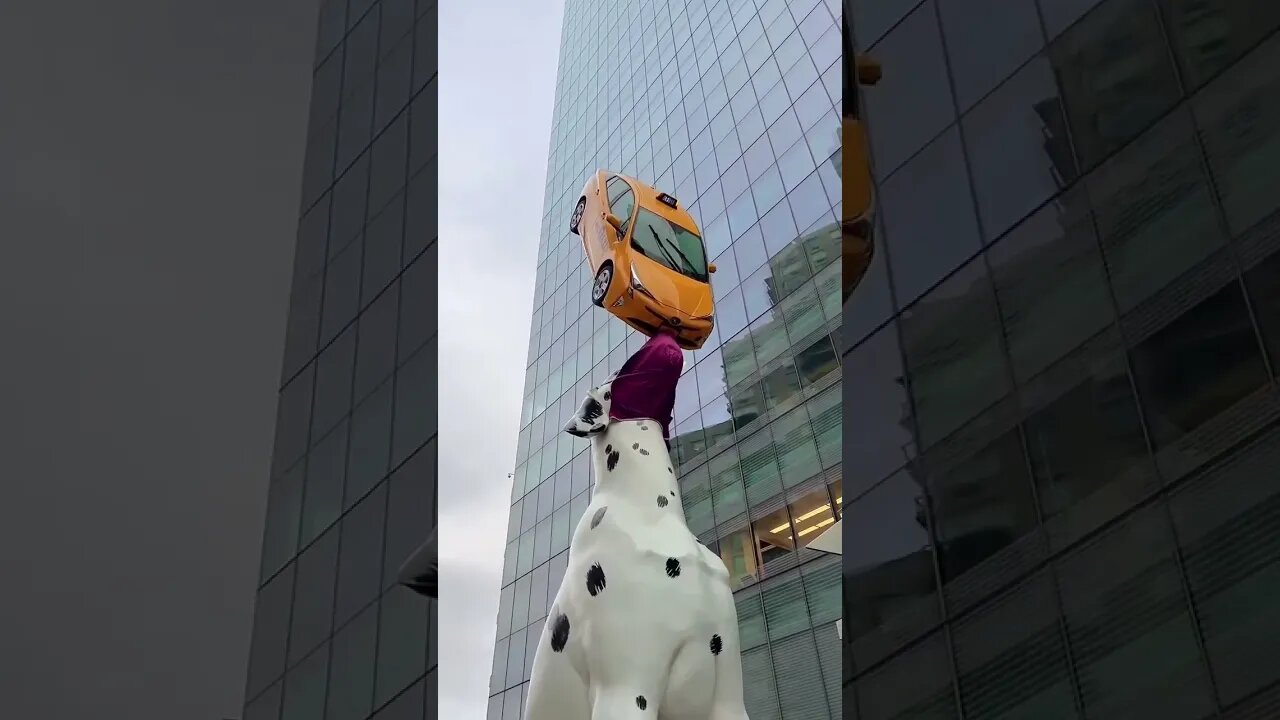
(683, 294)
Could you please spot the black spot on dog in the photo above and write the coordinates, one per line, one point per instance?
(591, 410)
(607, 394)
(641, 702)
(635, 445)
(673, 493)
(716, 645)
(595, 519)
(643, 426)
(643, 451)
(611, 460)
(608, 448)
(559, 633)
(673, 567)
(595, 579)
(662, 501)
(670, 471)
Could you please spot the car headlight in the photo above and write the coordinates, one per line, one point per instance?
(635, 279)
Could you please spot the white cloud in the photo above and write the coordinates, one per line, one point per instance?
(497, 87)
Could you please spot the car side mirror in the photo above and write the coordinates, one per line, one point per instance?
(711, 268)
(615, 221)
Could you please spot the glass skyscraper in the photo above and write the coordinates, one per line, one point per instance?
(353, 483)
(732, 106)
(1064, 418)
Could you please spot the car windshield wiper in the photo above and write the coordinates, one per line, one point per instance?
(687, 262)
(670, 258)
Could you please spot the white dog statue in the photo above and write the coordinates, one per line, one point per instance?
(644, 624)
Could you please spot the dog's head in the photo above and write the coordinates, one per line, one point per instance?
(592, 416)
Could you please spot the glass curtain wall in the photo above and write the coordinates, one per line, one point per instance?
(1063, 400)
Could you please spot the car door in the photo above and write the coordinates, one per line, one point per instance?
(618, 196)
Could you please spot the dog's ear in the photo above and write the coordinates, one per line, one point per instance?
(592, 416)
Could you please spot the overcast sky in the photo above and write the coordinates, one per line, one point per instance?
(497, 91)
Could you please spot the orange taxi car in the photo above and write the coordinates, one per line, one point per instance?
(647, 257)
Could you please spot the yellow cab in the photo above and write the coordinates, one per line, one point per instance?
(647, 257)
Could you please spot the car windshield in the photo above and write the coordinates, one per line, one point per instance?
(672, 245)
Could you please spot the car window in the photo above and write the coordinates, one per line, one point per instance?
(623, 206)
(665, 242)
(616, 186)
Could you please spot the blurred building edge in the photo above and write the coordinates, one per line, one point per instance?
(858, 194)
(419, 572)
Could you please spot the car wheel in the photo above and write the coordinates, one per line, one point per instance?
(600, 287)
(577, 215)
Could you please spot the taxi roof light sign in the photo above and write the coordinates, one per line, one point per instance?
(667, 200)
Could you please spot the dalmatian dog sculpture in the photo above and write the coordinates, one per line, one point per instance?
(644, 624)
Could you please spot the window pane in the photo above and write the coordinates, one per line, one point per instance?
(760, 473)
(334, 370)
(889, 583)
(351, 678)
(878, 416)
(774, 547)
(985, 517)
(270, 631)
(341, 292)
(415, 402)
(986, 40)
(359, 566)
(1209, 36)
(411, 510)
(293, 419)
(407, 706)
(800, 689)
(417, 303)
(313, 596)
(1059, 14)
(797, 452)
(304, 687)
(728, 494)
(1239, 120)
(954, 361)
(1116, 74)
(267, 705)
(1219, 518)
(1154, 211)
(906, 115)
(1127, 621)
(1088, 452)
(869, 304)
(403, 634)
(1198, 366)
(1011, 657)
(760, 689)
(1018, 147)
(326, 471)
(931, 244)
(284, 520)
(915, 684)
(1050, 285)
(370, 429)
(376, 355)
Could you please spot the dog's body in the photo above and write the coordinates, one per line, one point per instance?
(644, 624)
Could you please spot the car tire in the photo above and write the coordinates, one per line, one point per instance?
(600, 286)
(576, 220)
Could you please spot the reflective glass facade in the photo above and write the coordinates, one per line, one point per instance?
(1062, 363)
(732, 106)
(353, 482)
